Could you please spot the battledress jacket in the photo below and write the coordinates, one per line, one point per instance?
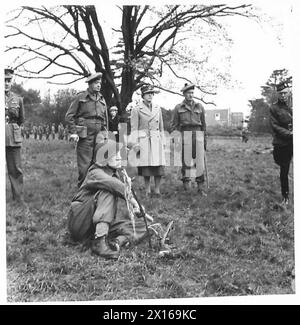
(14, 115)
(84, 108)
(281, 120)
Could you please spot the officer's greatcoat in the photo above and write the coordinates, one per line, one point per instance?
(147, 130)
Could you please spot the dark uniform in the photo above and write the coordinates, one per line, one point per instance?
(47, 131)
(281, 118)
(14, 116)
(190, 117)
(60, 131)
(53, 131)
(113, 126)
(35, 131)
(66, 134)
(40, 132)
(90, 111)
(245, 136)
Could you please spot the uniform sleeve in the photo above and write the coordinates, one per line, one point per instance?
(161, 127)
(99, 180)
(22, 112)
(134, 124)
(277, 128)
(203, 122)
(70, 117)
(175, 120)
(106, 120)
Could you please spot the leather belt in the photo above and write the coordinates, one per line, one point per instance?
(191, 128)
(93, 118)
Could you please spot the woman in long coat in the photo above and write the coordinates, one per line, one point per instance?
(147, 131)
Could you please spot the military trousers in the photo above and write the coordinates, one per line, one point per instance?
(14, 170)
(282, 156)
(192, 155)
(86, 149)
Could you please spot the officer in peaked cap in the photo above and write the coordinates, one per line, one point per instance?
(281, 118)
(14, 116)
(189, 120)
(86, 117)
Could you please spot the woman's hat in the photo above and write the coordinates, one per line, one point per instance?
(282, 86)
(146, 89)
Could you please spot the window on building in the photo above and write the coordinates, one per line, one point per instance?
(217, 116)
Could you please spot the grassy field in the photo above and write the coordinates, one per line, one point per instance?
(236, 241)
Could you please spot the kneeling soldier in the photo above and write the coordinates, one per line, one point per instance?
(93, 213)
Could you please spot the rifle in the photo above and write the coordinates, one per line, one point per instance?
(142, 214)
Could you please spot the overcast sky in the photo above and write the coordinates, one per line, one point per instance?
(257, 50)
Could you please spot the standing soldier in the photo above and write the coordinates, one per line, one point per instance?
(27, 131)
(245, 135)
(189, 119)
(35, 131)
(53, 131)
(40, 132)
(47, 131)
(66, 134)
(14, 116)
(60, 131)
(86, 117)
(281, 116)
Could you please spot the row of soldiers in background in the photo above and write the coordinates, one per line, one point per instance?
(49, 131)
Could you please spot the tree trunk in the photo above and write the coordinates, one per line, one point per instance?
(128, 84)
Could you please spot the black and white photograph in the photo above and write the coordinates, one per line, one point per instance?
(149, 152)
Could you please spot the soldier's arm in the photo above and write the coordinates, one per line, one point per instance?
(106, 117)
(175, 120)
(70, 117)
(203, 119)
(22, 112)
(277, 128)
(97, 179)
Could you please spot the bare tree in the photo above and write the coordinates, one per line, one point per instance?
(143, 50)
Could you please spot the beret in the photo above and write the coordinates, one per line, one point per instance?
(282, 85)
(188, 86)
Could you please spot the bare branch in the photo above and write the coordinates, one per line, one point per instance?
(180, 94)
(53, 45)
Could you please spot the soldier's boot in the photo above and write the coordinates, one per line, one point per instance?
(120, 241)
(101, 248)
(285, 199)
(200, 189)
